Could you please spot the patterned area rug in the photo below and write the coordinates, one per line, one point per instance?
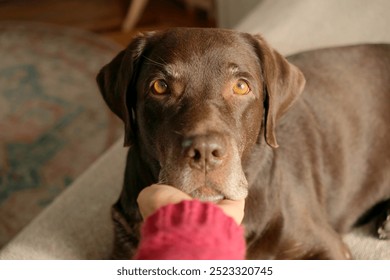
(53, 121)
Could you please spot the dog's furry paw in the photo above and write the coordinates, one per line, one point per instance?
(383, 225)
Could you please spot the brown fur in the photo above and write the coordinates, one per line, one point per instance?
(310, 159)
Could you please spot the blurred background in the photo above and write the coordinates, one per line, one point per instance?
(53, 122)
(120, 19)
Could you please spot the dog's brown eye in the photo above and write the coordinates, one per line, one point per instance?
(160, 87)
(241, 87)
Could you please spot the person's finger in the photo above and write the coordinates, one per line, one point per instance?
(155, 196)
(233, 208)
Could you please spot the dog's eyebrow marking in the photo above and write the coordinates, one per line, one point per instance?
(171, 71)
(168, 69)
(235, 71)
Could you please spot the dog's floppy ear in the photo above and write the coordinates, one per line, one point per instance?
(283, 83)
(116, 80)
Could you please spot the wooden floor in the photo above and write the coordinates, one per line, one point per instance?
(104, 16)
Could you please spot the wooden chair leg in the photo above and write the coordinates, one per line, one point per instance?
(134, 13)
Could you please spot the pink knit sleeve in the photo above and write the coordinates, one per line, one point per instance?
(191, 230)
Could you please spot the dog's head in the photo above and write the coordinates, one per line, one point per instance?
(197, 100)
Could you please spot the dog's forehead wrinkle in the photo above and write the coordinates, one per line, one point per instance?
(199, 65)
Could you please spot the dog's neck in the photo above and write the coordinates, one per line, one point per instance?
(257, 162)
(262, 210)
(141, 171)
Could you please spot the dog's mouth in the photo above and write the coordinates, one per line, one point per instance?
(206, 193)
(208, 188)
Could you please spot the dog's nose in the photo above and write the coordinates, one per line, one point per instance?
(204, 152)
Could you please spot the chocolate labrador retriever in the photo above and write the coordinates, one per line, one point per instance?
(220, 114)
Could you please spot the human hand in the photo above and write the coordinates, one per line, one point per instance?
(155, 196)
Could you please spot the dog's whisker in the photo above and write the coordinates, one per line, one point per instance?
(153, 62)
(178, 133)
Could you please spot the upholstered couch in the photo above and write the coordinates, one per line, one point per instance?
(77, 224)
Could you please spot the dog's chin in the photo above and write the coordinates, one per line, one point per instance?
(213, 193)
(207, 194)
